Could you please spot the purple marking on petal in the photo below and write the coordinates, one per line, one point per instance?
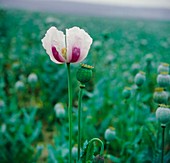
(75, 54)
(56, 55)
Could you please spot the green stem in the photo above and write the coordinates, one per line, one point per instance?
(163, 133)
(98, 140)
(69, 111)
(79, 118)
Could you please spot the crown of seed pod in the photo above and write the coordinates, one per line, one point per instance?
(110, 134)
(163, 67)
(140, 78)
(84, 73)
(126, 92)
(163, 115)
(160, 96)
(163, 79)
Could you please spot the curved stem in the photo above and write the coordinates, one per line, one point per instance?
(79, 118)
(69, 111)
(98, 140)
(163, 133)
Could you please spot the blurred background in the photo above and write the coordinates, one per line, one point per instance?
(131, 38)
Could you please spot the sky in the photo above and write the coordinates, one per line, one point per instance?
(132, 3)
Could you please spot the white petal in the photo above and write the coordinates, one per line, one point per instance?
(55, 38)
(77, 38)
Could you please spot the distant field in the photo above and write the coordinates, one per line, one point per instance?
(119, 51)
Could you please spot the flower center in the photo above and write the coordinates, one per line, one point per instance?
(64, 51)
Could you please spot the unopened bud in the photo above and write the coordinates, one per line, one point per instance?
(163, 115)
(163, 79)
(110, 134)
(140, 78)
(84, 73)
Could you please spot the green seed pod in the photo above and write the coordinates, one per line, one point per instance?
(160, 96)
(149, 57)
(98, 159)
(59, 110)
(74, 151)
(2, 105)
(126, 92)
(110, 134)
(19, 86)
(84, 73)
(163, 67)
(97, 45)
(140, 78)
(163, 115)
(32, 78)
(163, 79)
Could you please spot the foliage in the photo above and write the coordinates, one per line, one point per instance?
(119, 51)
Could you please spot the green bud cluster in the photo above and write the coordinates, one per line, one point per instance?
(84, 73)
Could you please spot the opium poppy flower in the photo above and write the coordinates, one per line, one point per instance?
(70, 48)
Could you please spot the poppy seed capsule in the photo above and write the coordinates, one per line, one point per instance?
(32, 78)
(126, 92)
(110, 134)
(160, 96)
(59, 110)
(140, 78)
(163, 67)
(74, 151)
(19, 86)
(84, 73)
(163, 79)
(163, 115)
(149, 58)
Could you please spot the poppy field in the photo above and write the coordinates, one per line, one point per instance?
(125, 104)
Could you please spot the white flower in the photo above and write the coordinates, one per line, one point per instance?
(70, 48)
